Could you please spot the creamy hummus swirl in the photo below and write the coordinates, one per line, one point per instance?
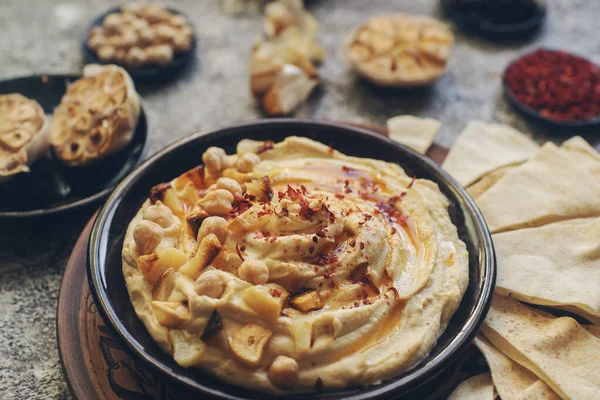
(328, 271)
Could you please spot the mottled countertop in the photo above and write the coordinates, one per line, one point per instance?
(44, 37)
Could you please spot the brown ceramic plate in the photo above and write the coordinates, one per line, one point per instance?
(112, 299)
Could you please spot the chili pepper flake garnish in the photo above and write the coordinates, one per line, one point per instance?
(264, 146)
(327, 258)
(412, 182)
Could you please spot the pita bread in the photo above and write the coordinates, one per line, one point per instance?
(550, 187)
(483, 147)
(414, 132)
(488, 180)
(510, 379)
(478, 387)
(558, 350)
(555, 264)
(538, 391)
(585, 154)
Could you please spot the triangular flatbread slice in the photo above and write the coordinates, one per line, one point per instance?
(550, 187)
(480, 186)
(483, 147)
(414, 132)
(478, 387)
(558, 350)
(556, 264)
(511, 380)
(585, 154)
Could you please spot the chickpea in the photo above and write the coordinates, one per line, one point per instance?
(106, 53)
(96, 31)
(147, 236)
(147, 35)
(112, 23)
(217, 202)
(165, 32)
(216, 225)
(128, 17)
(135, 57)
(138, 24)
(160, 214)
(178, 20)
(160, 54)
(214, 159)
(129, 38)
(135, 7)
(230, 185)
(211, 284)
(283, 372)
(119, 55)
(247, 162)
(254, 271)
(181, 42)
(97, 41)
(154, 13)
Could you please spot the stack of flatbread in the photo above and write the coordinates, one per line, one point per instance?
(542, 205)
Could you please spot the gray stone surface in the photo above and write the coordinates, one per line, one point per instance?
(44, 37)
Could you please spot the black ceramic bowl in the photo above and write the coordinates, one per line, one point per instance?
(146, 73)
(51, 187)
(111, 297)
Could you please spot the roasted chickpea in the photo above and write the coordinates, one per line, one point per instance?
(230, 185)
(216, 225)
(139, 24)
(147, 35)
(112, 23)
(96, 31)
(97, 41)
(147, 236)
(178, 20)
(165, 32)
(283, 372)
(217, 202)
(129, 37)
(135, 57)
(160, 54)
(210, 283)
(247, 162)
(214, 159)
(134, 7)
(254, 271)
(160, 214)
(154, 13)
(128, 17)
(181, 43)
(119, 55)
(106, 53)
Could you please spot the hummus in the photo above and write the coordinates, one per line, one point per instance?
(291, 267)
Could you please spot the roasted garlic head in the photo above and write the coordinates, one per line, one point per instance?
(400, 50)
(97, 116)
(23, 134)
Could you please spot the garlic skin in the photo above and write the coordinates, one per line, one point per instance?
(96, 117)
(24, 134)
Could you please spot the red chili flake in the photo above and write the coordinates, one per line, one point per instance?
(368, 217)
(311, 249)
(362, 245)
(412, 182)
(332, 284)
(239, 206)
(556, 84)
(274, 292)
(320, 233)
(393, 230)
(283, 213)
(347, 188)
(303, 189)
(264, 212)
(281, 195)
(356, 304)
(264, 146)
(340, 196)
(327, 258)
(352, 243)
(273, 239)
(348, 170)
(258, 235)
(330, 148)
(238, 251)
(328, 273)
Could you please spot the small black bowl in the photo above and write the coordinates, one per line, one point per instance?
(535, 115)
(51, 187)
(146, 73)
(112, 299)
(475, 23)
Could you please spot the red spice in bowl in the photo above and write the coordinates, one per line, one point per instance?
(556, 85)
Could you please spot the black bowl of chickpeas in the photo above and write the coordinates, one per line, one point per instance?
(150, 41)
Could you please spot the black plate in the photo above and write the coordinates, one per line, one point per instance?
(147, 72)
(530, 112)
(52, 187)
(508, 30)
(112, 299)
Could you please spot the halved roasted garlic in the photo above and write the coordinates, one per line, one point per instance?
(248, 344)
(170, 314)
(401, 50)
(24, 136)
(97, 116)
(208, 249)
(152, 266)
(266, 300)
